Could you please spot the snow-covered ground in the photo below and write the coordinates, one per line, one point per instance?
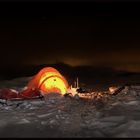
(58, 116)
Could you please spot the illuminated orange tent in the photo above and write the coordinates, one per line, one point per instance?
(49, 80)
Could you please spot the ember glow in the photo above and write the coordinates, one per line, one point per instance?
(49, 80)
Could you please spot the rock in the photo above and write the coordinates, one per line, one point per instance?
(34, 107)
(3, 101)
(15, 91)
(52, 101)
(59, 111)
(116, 103)
(44, 122)
(23, 121)
(8, 108)
(25, 105)
(57, 117)
(38, 102)
(1, 105)
(45, 115)
(62, 117)
(132, 103)
(125, 90)
(10, 103)
(132, 93)
(30, 114)
(53, 122)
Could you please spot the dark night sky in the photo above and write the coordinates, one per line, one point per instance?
(75, 33)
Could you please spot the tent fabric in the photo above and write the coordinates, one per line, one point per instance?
(38, 85)
(42, 76)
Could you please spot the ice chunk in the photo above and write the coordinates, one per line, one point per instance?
(15, 91)
(45, 115)
(23, 121)
(53, 122)
(131, 103)
(2, 101)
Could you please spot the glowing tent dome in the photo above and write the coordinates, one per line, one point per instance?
(49, 80)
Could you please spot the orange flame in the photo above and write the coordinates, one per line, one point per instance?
(49, 80)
